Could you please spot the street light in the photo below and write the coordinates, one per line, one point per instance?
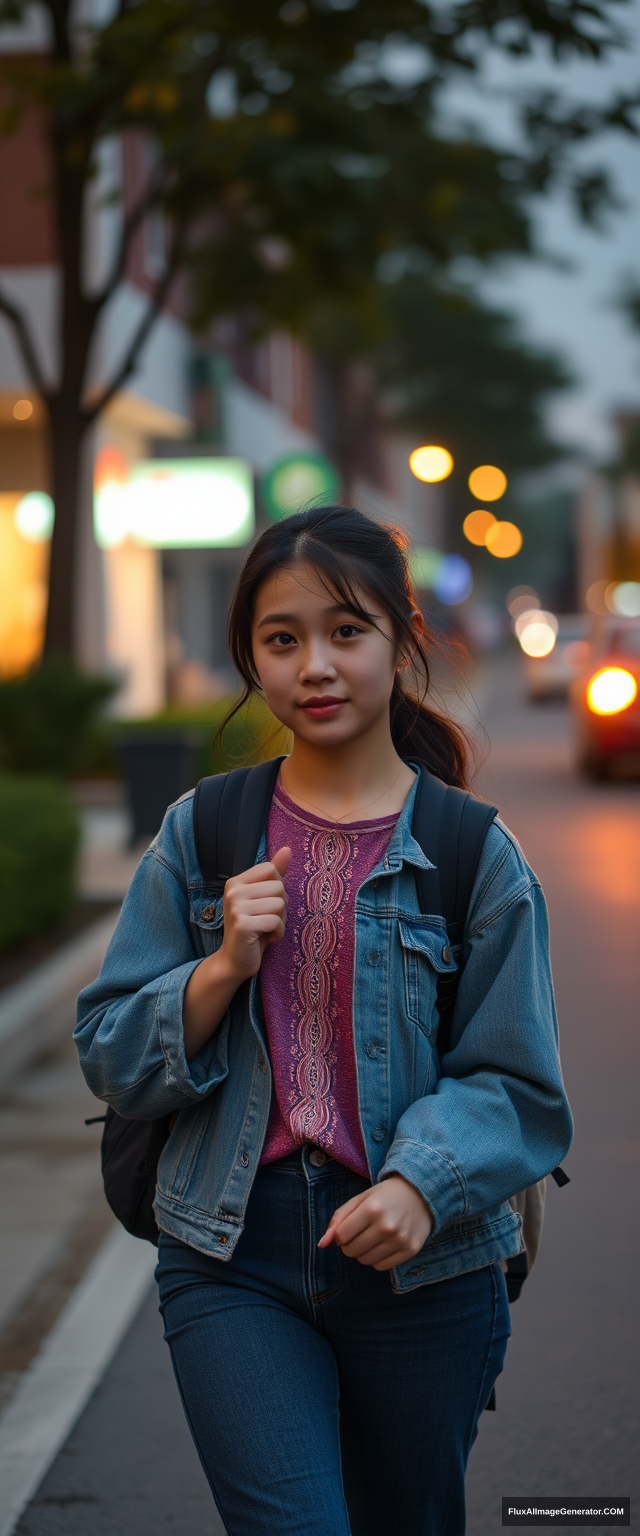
(503, 540)
(477, 524)
(430, 463)
(487, 482)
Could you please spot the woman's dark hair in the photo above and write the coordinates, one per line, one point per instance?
(354, 555)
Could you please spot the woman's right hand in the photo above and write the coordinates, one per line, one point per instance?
(255, 912)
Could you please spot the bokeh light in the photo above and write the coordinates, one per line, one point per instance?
(534, 615)
(538, 636)
(520, 599)
(503, 540)
(22, 410)
(611, 690)
(624, 599)
(34, 516)
(576, 654)
(487, 482)
(454, 581)
(595, 597)
(431, 463)
(477, 524)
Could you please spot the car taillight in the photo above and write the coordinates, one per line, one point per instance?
(611, 690)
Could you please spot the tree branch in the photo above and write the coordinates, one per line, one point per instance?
(139, 337)
(25, 343)
(129, 226)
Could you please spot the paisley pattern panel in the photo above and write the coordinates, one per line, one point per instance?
(307, 983)
(328, 875)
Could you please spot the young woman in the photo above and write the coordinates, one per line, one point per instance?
(333, 1198)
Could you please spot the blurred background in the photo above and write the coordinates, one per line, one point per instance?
(254, 258)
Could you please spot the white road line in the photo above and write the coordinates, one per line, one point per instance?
(67, 1369)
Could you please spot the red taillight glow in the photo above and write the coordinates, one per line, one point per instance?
(611, 690)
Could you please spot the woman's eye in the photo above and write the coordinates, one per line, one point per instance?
(284, 638)
(346, 631)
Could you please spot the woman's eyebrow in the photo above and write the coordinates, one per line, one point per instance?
(294, 618)
(279, 618)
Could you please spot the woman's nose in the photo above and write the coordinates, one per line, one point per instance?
(317, 663)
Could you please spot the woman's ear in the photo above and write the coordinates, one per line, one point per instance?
(417, 624)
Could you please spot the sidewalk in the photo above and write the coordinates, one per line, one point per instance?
(53, 1215)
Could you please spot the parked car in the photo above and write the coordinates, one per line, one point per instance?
(549, 677)
(606, 700)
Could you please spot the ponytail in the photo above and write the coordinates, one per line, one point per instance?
(357, 557)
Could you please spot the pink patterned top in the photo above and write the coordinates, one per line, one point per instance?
(307, 982)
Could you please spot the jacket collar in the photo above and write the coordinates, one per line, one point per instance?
(402, 848)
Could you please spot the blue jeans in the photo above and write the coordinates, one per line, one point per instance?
(321, 1402)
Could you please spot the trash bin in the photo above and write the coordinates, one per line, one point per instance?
(157, 767)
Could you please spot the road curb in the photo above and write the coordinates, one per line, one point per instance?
(72, 1361)
(36, 1010)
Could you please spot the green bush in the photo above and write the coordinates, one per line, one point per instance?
(39, 837)
(48, 718)
(251, 736)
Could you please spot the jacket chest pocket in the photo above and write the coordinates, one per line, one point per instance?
(205, 916)
(426, 956)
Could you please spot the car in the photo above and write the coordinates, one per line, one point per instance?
(549, 677)
(606, 700)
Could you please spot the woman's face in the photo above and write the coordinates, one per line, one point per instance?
(325, 673)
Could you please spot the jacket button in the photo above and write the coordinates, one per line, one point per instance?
(373, 1049)
(223, 1239)
(379, 1133)
(417, 1269)
(208, 913)
(446, 954)
(262, 1064)
(373, 957)
(244, 1159)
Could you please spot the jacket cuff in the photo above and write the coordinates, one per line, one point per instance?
(439, 1181)
(197, 1077)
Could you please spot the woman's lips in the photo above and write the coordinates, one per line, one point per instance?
(324, 708)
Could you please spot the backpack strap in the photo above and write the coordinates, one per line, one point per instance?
(229, 815)
(450, 826)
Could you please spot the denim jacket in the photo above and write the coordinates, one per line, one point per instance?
(468, 1132)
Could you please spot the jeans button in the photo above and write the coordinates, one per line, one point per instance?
(373, 957)
(317, 1158)
(373, 1049)
(244, 1159)
(379, 1133)
(208, 913)
(446, 954)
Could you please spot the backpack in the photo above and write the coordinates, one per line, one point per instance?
(229, 815)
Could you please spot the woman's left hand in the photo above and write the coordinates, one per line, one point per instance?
(384, 1226)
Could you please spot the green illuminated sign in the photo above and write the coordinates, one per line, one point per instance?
(196, 503)
(298, 481)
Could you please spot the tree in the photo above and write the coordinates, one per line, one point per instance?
(290, 153)
(458, 370)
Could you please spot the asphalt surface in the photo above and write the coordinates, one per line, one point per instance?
(566, 1422)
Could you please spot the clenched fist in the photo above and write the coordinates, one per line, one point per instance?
(255, 912)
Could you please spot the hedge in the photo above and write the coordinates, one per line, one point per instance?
(49, 718)
(39, 839)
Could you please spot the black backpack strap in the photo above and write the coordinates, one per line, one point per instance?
(229, 814)
(450, 826)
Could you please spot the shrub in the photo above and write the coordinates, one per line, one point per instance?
(48, 718)
(39, 837)
(251, 736)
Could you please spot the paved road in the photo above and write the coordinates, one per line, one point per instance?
(568, 1397)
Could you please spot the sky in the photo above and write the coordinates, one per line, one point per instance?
(573, 310)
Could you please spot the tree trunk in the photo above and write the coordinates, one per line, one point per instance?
(66, 432)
